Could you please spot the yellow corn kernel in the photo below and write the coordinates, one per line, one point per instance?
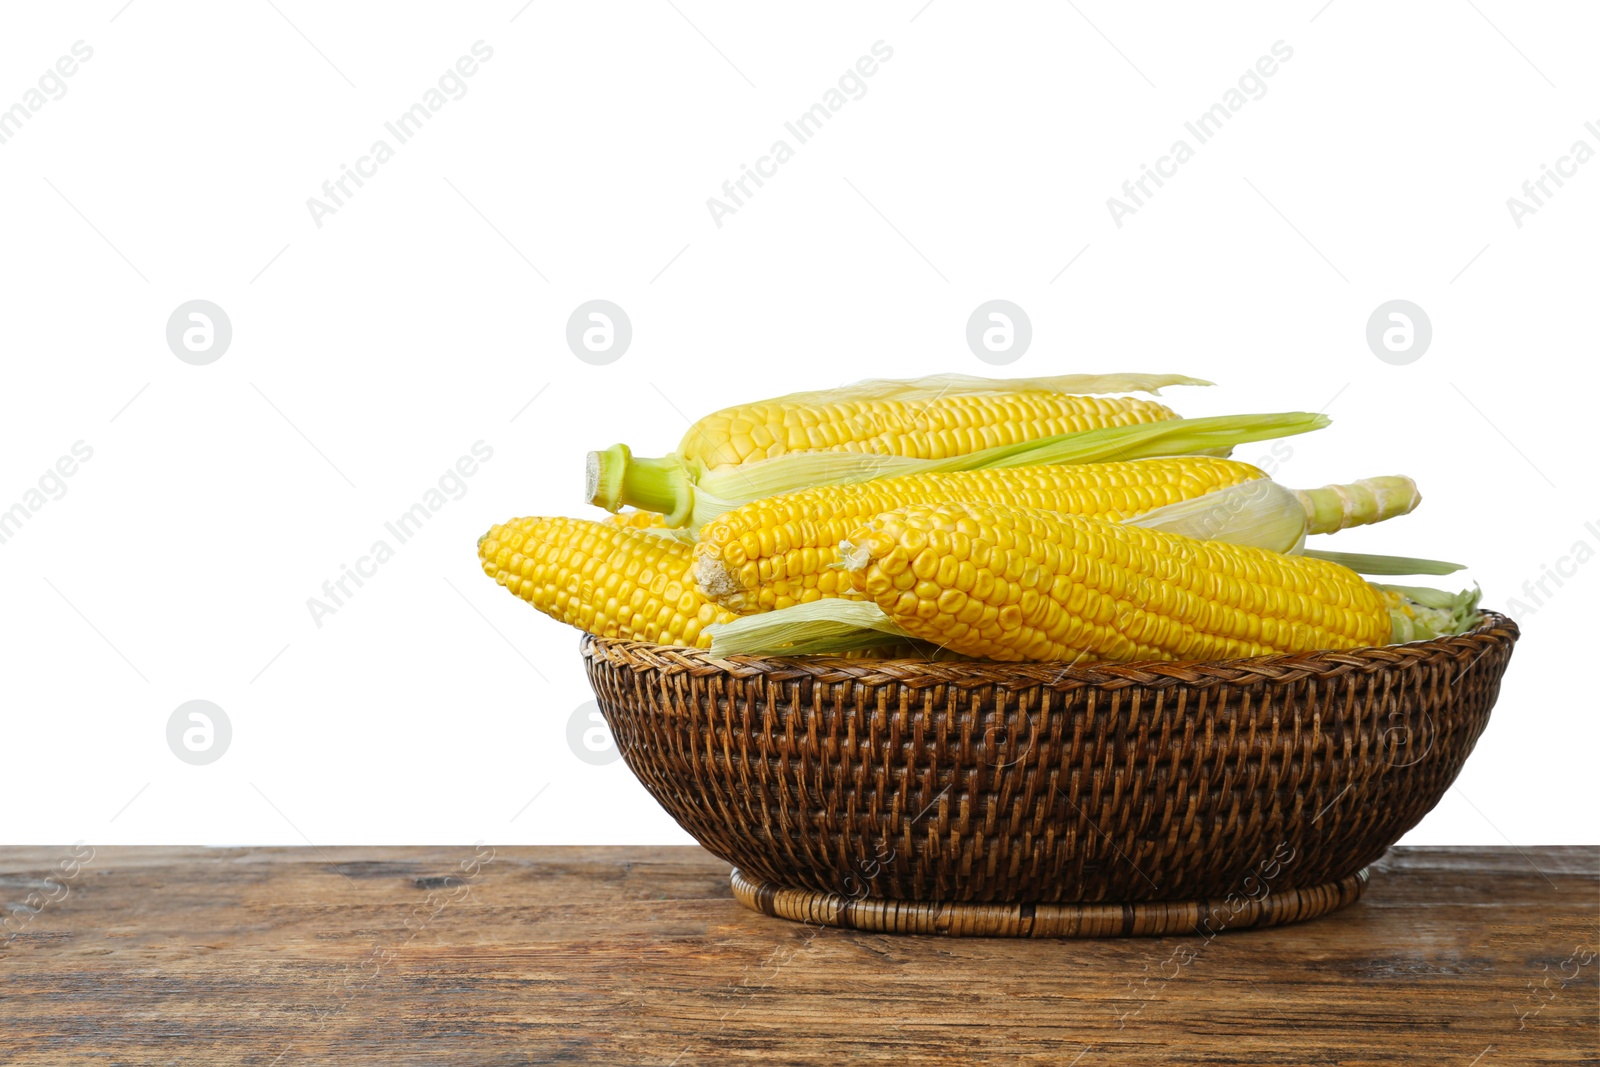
(609, 578)
(1110, 591)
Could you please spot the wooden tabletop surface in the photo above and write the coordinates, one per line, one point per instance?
(471, 955)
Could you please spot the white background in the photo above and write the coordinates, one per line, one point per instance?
(368, 354)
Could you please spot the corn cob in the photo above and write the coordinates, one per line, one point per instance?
(927, 418)
(1019, 584)
(924, 429)
(605, 578)
(771, 554)
(777, 552)
(616, 477)
(1339, 507)
(881, 428)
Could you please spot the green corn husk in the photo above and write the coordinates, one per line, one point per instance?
(818, 628)
(934, 386)
(1432, 612)
(1259, 513)
(1363, 563)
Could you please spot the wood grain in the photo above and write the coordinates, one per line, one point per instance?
(1469, 957)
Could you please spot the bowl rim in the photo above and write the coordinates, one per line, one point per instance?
(1493, 629)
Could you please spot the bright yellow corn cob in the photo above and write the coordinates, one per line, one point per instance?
(923, 428)
(1020, 584)
(776, 552)
(879, 428)
(603, 577)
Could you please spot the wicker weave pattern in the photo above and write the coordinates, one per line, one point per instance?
(1121, 919)
(961, 781)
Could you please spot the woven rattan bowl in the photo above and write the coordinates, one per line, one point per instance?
(1048, 800)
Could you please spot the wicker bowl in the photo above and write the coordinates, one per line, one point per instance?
(1048, 800)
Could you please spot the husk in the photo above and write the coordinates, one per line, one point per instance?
(1363, 563)
(818, 628)
(937, 385)
(1426, 613)
(1260, 513)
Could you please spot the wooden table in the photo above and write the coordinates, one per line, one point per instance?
(463, 955)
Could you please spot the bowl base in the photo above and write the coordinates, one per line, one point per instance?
(1140, 918)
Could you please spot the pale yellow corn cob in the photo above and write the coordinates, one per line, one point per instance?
(1021, 584)
(606, 578)
(638, 520)
(1339, 507)
(921, 428)
(780, 551)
